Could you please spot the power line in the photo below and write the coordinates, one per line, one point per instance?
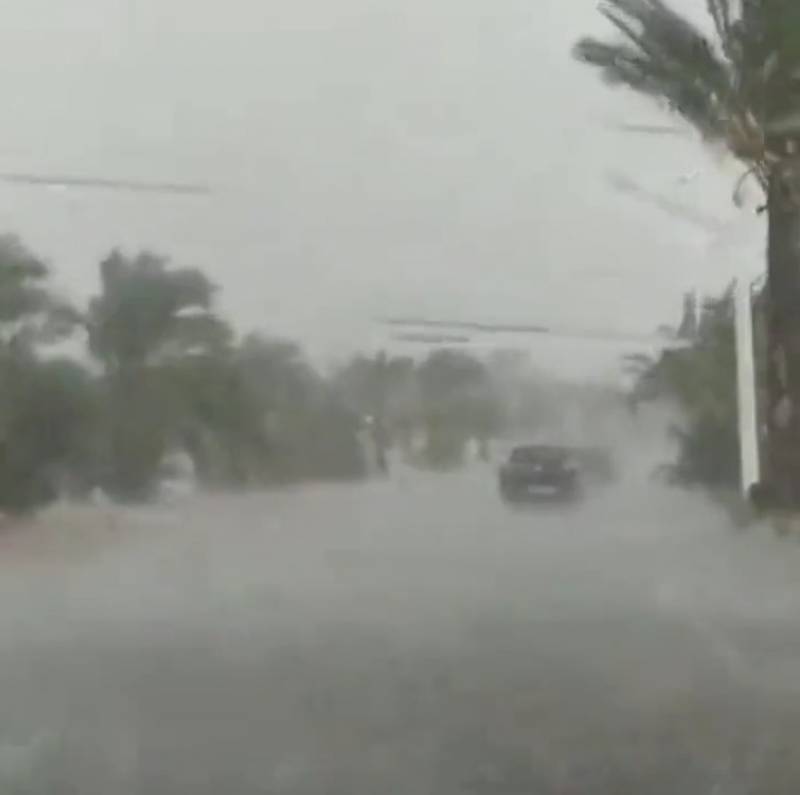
(648, 129)
(504, 328)
(463, 325)
(101, 183)
(624, 184)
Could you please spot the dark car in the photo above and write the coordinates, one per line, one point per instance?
(539, 472)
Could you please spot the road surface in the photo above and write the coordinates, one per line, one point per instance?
(404, 637)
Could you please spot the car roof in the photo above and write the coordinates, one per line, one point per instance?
(540, 449)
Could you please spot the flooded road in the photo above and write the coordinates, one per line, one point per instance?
(410, 636)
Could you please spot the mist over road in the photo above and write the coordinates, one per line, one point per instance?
(407, 636)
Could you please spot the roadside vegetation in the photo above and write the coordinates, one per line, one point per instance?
(155, 369)
(736, 82)
(699, 380)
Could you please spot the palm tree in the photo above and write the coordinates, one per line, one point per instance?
(29, 312)
(741, 89)
(148, 313)
(147, 319)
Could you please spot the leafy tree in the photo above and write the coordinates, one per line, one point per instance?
(310, 431)
(385, 389)
(47, 410)
(459, 402)
(30, 313)
(370, 382)
(741, 90)
(147, 318)
(240, 411)
(218, 418)
(277, 371)
(147, 313)
(701, 380)
(50, 428)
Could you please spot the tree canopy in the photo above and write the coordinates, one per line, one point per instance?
(147, 311)
(701, 380)
(163, 373)
(741, 89)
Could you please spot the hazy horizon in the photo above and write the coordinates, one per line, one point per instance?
(430, 158)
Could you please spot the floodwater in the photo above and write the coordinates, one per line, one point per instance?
(406, 636)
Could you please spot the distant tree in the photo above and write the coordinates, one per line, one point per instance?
(701, 380)
(310, 432)
(47, 410)
(50, 431)
(376, 384)
(459, 402)
(278, 372)
(384, 391)
(147, 313)
(146, 318)
(218, 418)
(30, 313)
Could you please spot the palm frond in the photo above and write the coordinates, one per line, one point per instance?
(723, 17)
(738, 190)
(192, 288)
(201, 331)
(744, 88)
(146, 311)
(663, 55)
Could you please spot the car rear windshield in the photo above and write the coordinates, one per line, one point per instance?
(538, 455)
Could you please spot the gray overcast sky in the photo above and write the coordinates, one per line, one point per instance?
(368, 157)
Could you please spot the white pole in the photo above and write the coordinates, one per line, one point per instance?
(746, 387)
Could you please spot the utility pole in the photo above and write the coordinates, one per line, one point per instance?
(746, 379)
(749, 452)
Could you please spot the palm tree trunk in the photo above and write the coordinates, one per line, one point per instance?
(783, 343)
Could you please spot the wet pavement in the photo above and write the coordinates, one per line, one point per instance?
(408, 636)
